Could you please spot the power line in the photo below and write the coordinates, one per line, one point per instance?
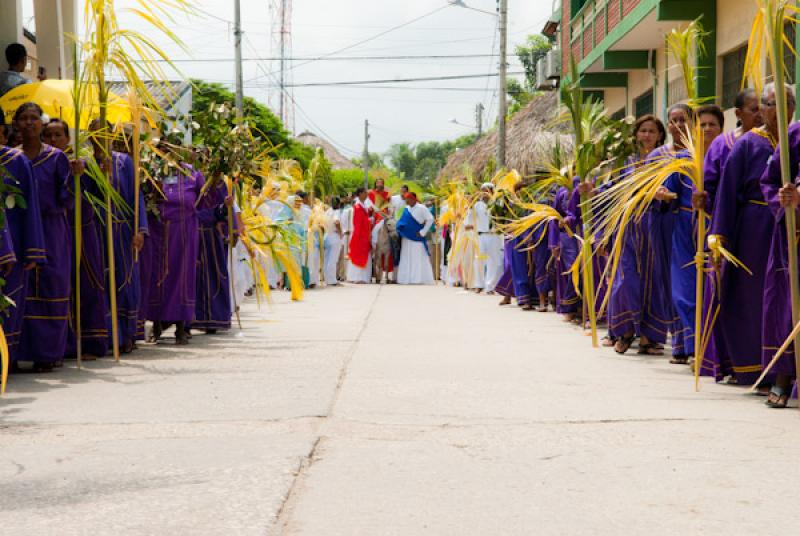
(324, 58)
(300, 108)
(396, 80)
(367, 40)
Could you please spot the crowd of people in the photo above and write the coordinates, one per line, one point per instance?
(650, 292)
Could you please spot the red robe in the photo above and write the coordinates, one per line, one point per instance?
(361, 239)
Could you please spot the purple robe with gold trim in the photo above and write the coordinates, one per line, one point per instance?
(47, 304)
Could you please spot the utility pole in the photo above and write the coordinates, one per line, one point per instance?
(479, 118)
(365, 163)
(282, 110)
(502, 108)
(237, 39)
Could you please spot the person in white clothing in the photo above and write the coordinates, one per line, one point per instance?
(359, 267)
(489, 261)
(415, 264)
(398, 202)
(333, 242)
(347, 229)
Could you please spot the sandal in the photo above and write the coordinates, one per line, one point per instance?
(505, 301)
(679, 360)
(527, 307)
(779, 397)
(650, 349)
(623, 344)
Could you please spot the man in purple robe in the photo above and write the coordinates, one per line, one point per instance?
(174, 239)
(25, 227)
(213, 311)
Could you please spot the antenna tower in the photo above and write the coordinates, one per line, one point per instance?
(281, 98)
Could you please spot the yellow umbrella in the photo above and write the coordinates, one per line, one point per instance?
(55, 98)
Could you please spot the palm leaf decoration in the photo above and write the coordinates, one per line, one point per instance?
(682, 46)
(767, 43)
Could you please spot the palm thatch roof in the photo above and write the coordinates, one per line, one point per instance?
(337, 159)
(532, 133)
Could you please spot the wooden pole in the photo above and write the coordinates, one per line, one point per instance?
(136, 115)
(76, 97)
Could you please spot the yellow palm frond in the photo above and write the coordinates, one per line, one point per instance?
(682, 44)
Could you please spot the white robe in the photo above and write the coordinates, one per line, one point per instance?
(415, 264)
(356, 274)
(333, 247)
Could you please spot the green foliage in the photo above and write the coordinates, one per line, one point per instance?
(375, 161)
(260, 118)
(422, 163)
(319, 177)
(535, 48)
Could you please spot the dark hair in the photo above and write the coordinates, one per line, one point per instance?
(360, 191)
(336, 202)
(301, 194)
(404, 186)
(15, 53)
(6, 131)
(28, 106)
(61, 122)
(650, 118)
(680, 106)
(711, 109)
(742, 97)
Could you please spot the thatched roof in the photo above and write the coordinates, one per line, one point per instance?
(337, 159)
(532, 132)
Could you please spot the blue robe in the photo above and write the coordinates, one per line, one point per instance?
(213, 309)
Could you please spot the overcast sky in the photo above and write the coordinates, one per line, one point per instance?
(323, 26)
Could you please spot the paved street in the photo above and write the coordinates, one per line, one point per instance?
(371, 410)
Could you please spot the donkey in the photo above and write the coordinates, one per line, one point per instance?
(388, 243)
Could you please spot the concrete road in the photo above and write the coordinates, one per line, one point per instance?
(372, 410)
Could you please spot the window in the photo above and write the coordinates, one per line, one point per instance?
(732, 69)
(576, 6)
(619, 114)
(643, 104)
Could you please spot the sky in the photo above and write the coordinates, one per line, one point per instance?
(397, 112)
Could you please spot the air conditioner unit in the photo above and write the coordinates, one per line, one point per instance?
(542, 83)
(553, 64)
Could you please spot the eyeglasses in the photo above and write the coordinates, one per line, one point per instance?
(768, 103)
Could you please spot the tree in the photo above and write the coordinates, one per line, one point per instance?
(260, 117)
(403, 159)
(375, 161)
(535, 48)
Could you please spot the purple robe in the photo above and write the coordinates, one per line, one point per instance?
(94, 300)
(505, 286)
(715, 361)
(777, 304)
(213, 285)
(126, 267)
(47, 304)
(683, 273)
(522, 269)
(658, 312)
(174, 239)
(742, 219)
(625, 310)
(27, 237)
(567, 299)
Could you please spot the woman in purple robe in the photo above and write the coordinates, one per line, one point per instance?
(658, 225)
(716, 362)
(683, 272)
(25, 228)
(213, 311)
(627, 315)
(777, 304)
(505, 286)
(743, 223)
(94, 301)
(47, 304)
(174, 239)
